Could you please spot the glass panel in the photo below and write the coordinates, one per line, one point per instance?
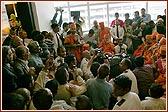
(156, 8)
(99, 13)
(60, 4)
(123, 8)
(73, 3)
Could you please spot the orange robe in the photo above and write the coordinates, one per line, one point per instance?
(148, 54)
(161, 68)
(139, 50)
(108, 47)
(102, 33)
(76, 50)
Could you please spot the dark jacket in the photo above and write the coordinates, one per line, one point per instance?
(9, 79)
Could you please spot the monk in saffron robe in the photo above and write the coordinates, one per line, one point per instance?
(107, 45)
(103, 30)
(73, 44)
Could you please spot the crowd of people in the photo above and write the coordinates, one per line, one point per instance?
(121, 67)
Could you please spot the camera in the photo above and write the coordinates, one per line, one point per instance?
(74, 66)
(97, 50)
(106, 56)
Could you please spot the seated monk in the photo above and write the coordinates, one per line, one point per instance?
(107, 45)
(161, 68)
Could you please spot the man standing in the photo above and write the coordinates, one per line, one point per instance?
(126, 100)
(99, 90)
(73, 44)
(57, 37)
(145, 17)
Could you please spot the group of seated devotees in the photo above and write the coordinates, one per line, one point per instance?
(99, 70)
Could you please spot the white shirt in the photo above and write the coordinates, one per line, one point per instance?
(84, 64)
(129, 101)
(96, 32)
(130, 74)
(41, 80)
(113, 32)
(84, 67)
(154, 103)
(117, 48)
(56, 42)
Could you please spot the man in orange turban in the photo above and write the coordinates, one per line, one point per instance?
(103, 30)
(162, 41)
(158, 37)
(148, 49)
(73, 44)
(161, 68)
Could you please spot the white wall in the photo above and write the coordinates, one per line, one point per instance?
(44, 12)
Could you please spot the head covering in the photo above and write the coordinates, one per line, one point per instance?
(149, 37)
(85, 47)
(162, 41)
(106, 36)
(72, 25)
(101, 23)
(159, 36)
(163, 50)
(160, 19)
(154, 34)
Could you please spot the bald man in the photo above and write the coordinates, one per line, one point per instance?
(86, 64)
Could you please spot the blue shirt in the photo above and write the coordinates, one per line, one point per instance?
(99, 91)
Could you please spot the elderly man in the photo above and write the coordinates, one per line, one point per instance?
(96, 29)
(34, 59)
(9, 78)
(24, 73)
(73, 43)
(103, 30)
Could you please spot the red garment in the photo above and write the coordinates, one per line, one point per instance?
(102, 33)
(139, 51)
(113, 23)
(108, 47)
(76, 50)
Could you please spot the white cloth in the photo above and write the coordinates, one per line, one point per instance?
(154, 103)
(96, 32)
(117, 48)
(113, 32)
(61, 105)
(84, 64)
(56, 42)
(130, 101)
(41, 80)
(130, 74)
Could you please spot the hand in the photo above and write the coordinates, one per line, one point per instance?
(32, 70)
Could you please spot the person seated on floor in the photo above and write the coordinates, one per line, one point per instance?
(155, 101)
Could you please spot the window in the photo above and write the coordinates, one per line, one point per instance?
(155, 9)
(83, 13)
(99, 13)
(97, 10)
